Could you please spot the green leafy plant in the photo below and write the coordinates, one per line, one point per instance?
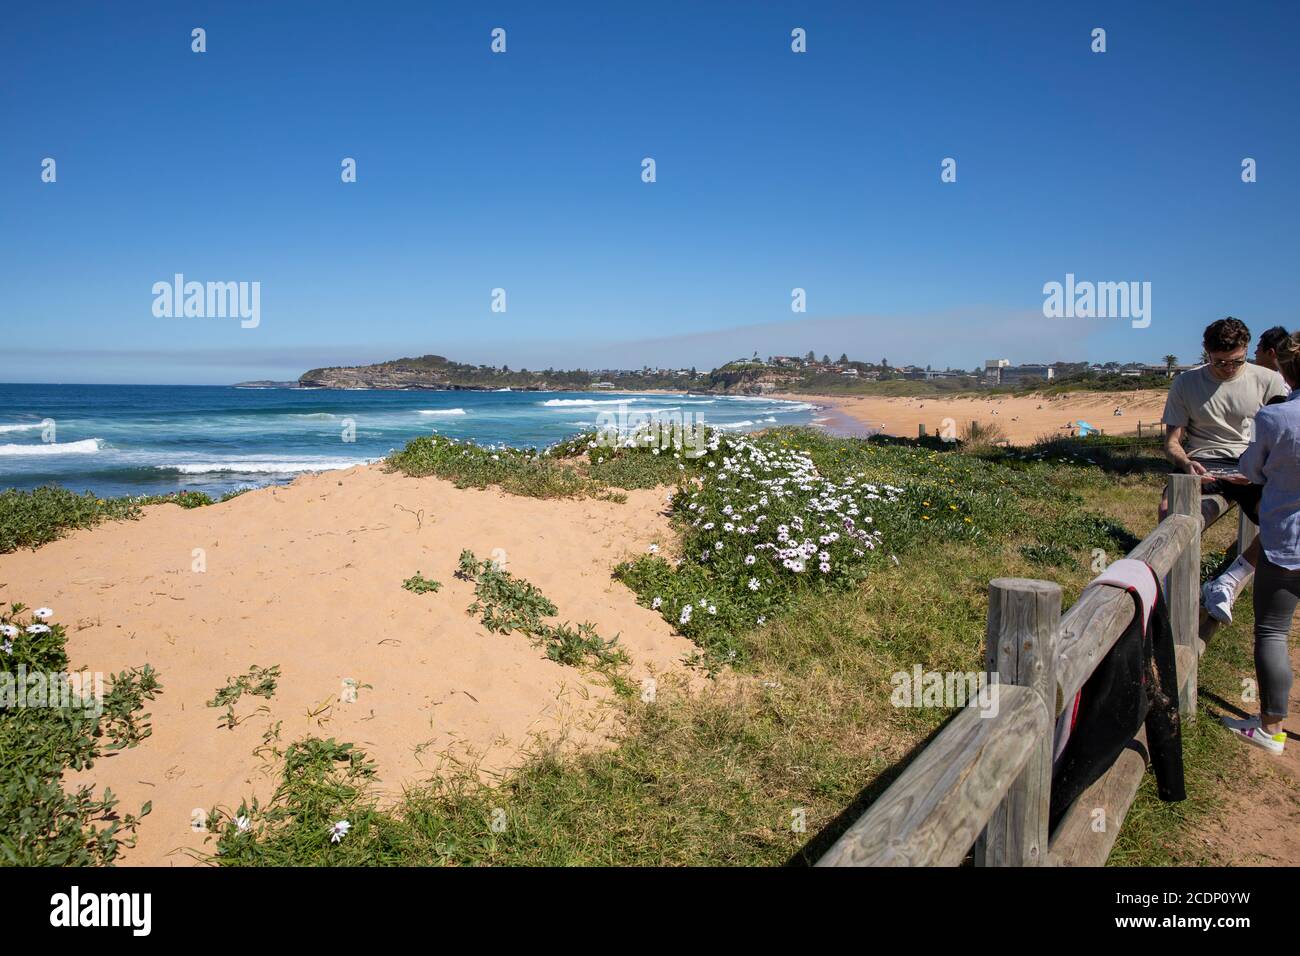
(419, 584)
(42, 822)
(505, 603)
(256, 682)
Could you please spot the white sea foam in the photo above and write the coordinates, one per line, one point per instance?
(564, 402)
(263, 466)
(744, 424)
(442, 411)
(24, 427)
(87, 446)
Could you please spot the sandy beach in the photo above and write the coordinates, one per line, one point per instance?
(308, 577)
(1024, 419)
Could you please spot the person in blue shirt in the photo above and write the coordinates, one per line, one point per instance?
(1273, 460)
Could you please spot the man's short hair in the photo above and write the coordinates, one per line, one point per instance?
(1272, 338)
(1226, 335)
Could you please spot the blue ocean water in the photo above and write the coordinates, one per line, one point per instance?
(152, 439)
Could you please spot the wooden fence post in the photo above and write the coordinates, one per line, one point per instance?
(1184, 588)
(1020, 648)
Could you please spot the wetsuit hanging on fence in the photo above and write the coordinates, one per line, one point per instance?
(1135, 684)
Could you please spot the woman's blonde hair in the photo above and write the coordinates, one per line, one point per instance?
(1288, 358)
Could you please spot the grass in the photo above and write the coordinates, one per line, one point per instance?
(42, 822)
(759, 767)
(768, 763)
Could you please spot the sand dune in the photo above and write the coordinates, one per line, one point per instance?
(308, 576)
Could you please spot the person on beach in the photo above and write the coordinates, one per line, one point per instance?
(1208, 415)
(1266, 349)
(1272, 461)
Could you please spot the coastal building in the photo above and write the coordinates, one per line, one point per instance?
(993, 370)
(1020, 374)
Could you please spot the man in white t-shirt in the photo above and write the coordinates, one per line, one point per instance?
(1209, 413)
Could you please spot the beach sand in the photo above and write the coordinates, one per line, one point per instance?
(1024, 419)
(308, 577)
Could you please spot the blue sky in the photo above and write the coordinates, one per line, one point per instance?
(522, 171)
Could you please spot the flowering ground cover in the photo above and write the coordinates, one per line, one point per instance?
(54, 726)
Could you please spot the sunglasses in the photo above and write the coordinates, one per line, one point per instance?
(1228, 363)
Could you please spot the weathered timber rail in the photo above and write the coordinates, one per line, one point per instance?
(984, 781)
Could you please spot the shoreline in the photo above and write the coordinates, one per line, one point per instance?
(1024, 420)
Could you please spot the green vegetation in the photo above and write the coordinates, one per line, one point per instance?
(800, 729)
(418, 584)
(505, 603)
(437, 371)
(61, 725)
(257, 682)
(803, 729)
(29, 519)
(526, 472)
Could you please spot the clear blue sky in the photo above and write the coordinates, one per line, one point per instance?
(522, 171)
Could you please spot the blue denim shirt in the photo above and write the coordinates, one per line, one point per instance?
(1273, 460)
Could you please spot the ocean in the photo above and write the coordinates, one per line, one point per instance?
(152, 439)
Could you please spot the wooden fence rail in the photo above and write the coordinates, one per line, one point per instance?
(984, 781)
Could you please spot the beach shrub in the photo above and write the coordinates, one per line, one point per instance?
(506, 603)
(765, 518)
(418, 584)
(29, 519)
(975, 434)
(256, 682)
(186, 499)
(42, 823)
(519, 471)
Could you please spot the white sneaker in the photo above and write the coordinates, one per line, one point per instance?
(1273, 743)
(1218, 599)
(1235, 723)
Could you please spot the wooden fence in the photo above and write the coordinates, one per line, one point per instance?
(985, 781)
